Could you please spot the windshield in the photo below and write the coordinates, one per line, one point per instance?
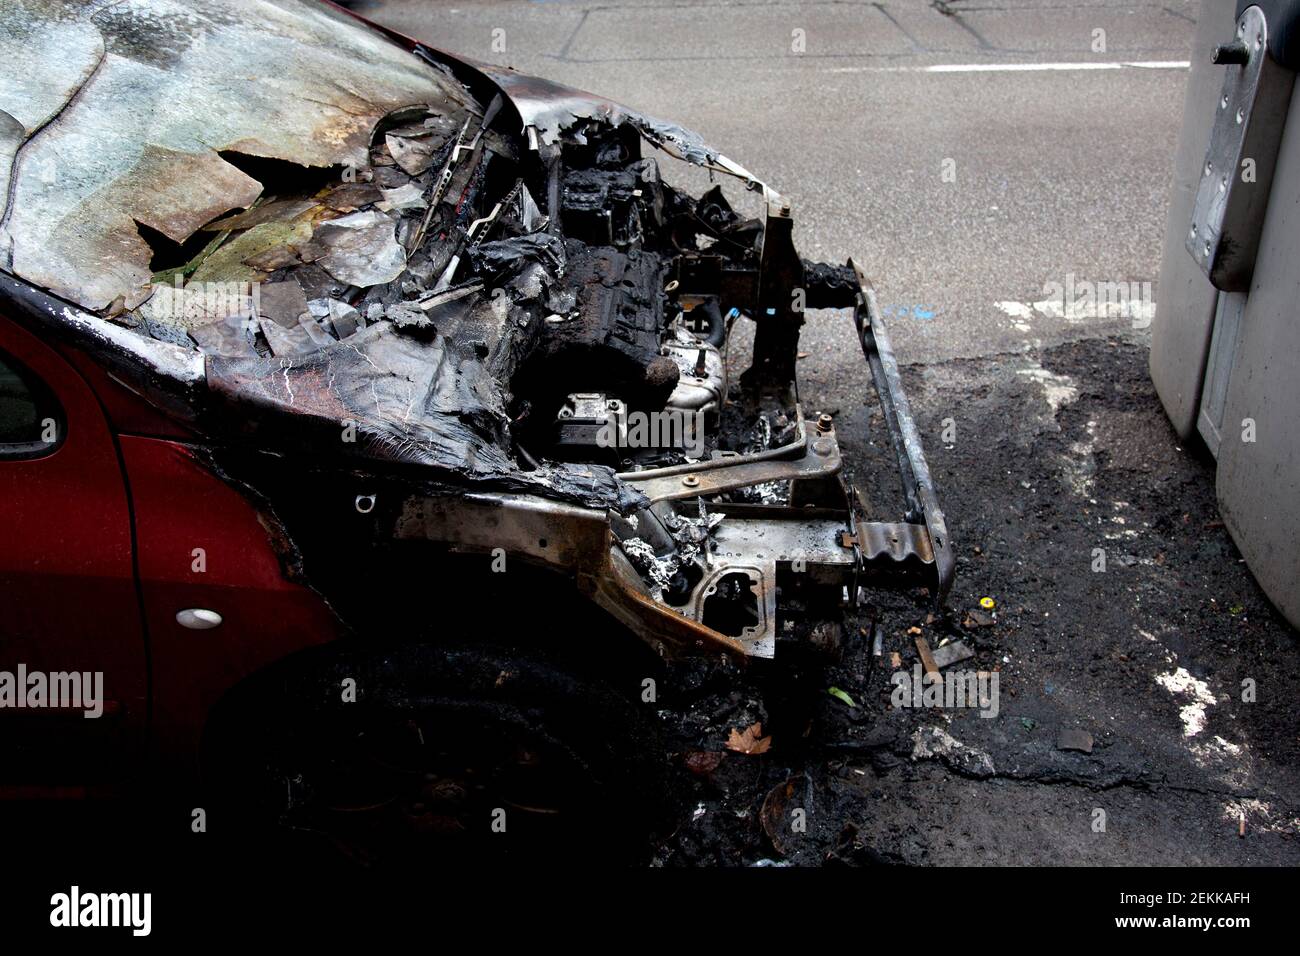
(125, 125)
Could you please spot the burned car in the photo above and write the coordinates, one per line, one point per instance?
(371, 425)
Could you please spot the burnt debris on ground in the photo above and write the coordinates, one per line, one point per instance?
(1120, 691)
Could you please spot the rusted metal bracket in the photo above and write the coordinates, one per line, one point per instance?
(897, 540)
(918, 488)
(810, 456)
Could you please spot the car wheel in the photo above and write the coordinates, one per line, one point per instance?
(421, 752)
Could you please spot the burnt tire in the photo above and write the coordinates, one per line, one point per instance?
(422, 754)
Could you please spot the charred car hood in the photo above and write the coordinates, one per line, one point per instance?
(376, 323)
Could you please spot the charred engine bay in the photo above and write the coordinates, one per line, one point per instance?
(468, 303)
(476, 314)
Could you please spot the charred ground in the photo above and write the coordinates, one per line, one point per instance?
(1033, 490)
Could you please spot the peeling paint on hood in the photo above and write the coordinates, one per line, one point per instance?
(210, 77)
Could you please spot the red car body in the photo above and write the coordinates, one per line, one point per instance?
(106, 538)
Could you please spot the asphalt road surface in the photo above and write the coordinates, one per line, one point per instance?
(972, 157)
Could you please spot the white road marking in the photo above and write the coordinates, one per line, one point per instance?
(1081, 308)
(1020, 67)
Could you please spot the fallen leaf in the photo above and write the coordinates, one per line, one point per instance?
(841, 696)
(703, 762)
(777, 814)
(751, 741)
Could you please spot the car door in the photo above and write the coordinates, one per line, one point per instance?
(73, 686)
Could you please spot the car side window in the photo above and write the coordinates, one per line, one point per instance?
(31, 420)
